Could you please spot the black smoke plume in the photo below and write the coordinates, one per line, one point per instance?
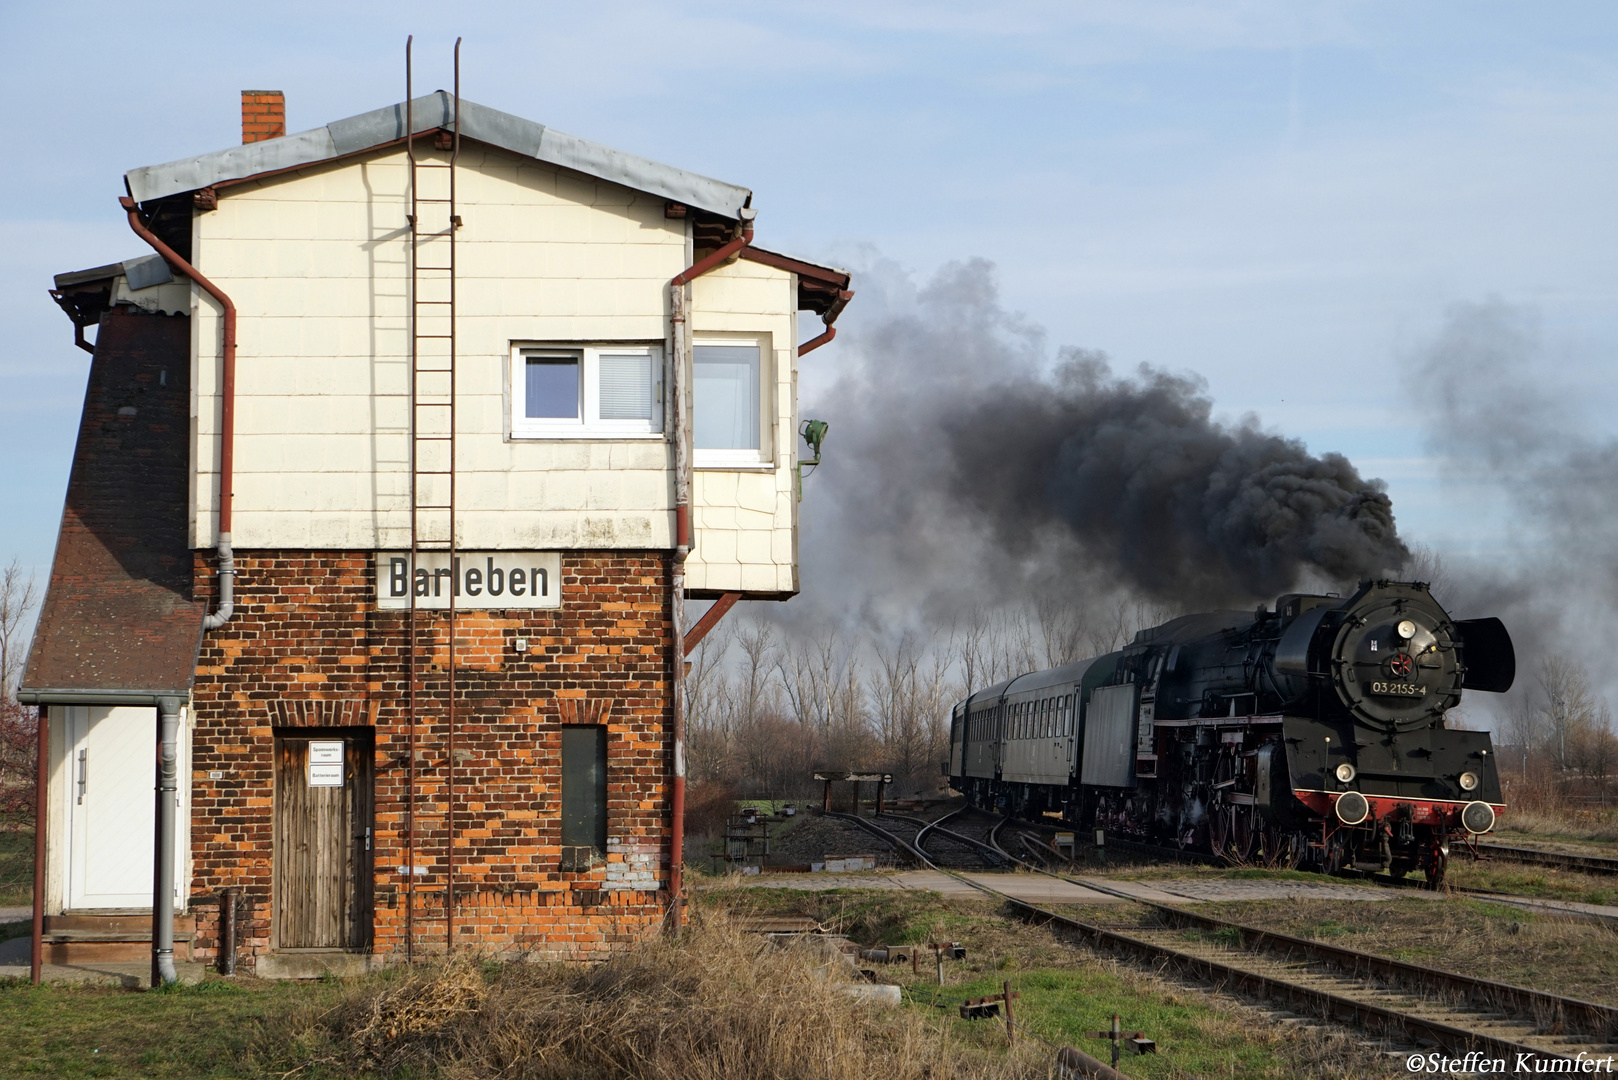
(1186, 510)
(962, 472)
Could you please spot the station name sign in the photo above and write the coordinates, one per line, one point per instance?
(476, 579)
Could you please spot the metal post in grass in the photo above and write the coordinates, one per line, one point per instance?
(1011, 1021)
(1137, 1041)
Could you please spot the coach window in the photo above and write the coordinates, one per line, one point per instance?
(730, 380)
(584, 795)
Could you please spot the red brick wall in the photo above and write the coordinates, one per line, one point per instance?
(306, 648)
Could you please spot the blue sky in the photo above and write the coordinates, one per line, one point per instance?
(1282, 197)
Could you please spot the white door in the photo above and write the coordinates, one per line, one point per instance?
(112, 765)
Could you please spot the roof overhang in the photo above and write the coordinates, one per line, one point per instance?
(821, 289)
(383, 127)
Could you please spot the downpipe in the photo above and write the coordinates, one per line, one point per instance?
(168, 721)
(163, 973)
(679, 341)
(227, 414)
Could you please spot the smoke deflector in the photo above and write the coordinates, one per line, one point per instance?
(1489, 657)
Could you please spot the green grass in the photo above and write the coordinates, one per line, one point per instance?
(202, 1031)
(1543, 883)
(1067, 1006)
(16, 867)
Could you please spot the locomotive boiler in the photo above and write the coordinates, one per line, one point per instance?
(1310, 734)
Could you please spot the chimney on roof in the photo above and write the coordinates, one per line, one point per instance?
(264, 115)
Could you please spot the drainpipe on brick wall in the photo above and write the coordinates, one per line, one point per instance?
(680, 341)
(227, 419)
(168, 752)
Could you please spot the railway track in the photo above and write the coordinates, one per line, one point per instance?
(1586, 864)
(932, 842)
(1558, 908)
(1458, 1013)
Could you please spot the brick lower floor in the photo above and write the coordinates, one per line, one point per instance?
(364, 861)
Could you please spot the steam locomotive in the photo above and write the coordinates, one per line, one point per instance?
(1312, 734)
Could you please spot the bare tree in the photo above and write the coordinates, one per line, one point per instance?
(1568, 705)
(757, 643)
(19, 724)
(1062, 629)
(1426, 564)
(1525, 729)
(18, 597)
(706, 694)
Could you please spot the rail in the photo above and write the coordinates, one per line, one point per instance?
(1541, 1009)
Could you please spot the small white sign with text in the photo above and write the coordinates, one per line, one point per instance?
(326, 763)
(475, 579)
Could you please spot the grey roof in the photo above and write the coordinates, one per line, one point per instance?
(437, 110)
(143, 271)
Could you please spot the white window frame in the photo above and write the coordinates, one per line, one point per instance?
(589, 424)
(764, 457)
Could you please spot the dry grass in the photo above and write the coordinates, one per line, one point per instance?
(718, 1004)
(1521, 823)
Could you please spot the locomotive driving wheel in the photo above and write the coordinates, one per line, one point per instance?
(1244, 829)
(1335, 855)
(1218, 827)
(1436, 863)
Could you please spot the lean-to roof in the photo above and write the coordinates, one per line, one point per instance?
(119, 618)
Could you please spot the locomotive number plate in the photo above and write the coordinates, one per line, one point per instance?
(1398, 689)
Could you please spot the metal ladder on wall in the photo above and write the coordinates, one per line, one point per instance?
(430, 774)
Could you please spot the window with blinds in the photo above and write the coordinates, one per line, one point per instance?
(590, 391)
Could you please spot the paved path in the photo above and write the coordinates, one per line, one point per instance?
(1569, 907)
(14, 957)
(1039, 889)
(1216, 890)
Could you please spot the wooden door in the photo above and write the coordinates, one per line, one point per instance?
(322, 841)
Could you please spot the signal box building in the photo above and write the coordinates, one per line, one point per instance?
(404, 442)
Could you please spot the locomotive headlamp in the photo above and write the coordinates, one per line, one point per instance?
(1469, 781)
(1347, 772)
(1406, 629)
(1478, 817)
(1351, 808)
